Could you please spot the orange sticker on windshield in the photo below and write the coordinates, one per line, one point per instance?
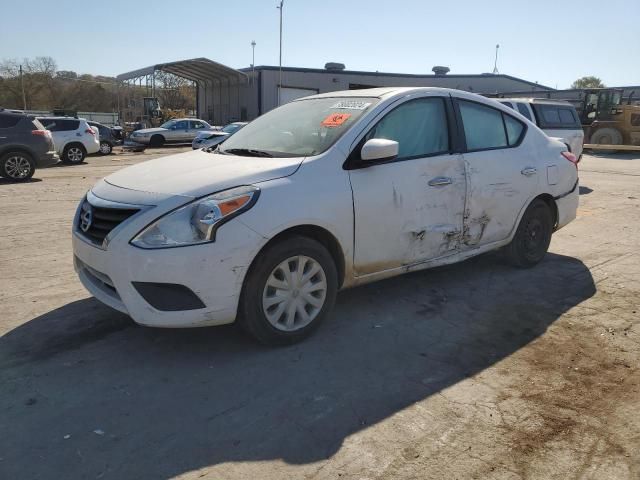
(335, 119)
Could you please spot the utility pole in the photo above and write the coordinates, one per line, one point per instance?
(253, 60)
(280, 67)
(24, 98)
(495, 63)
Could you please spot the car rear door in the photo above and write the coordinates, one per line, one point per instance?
(502, 172)
(408, 210)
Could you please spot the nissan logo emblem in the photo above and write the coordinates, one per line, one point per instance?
(86, 218)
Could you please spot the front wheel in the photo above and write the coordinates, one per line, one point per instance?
(289, 290)
(533, 236)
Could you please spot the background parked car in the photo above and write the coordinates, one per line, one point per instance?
(24, 146)
(179, 130)
(73, 138)
(211, 139)
(108, 137)
(556, 118)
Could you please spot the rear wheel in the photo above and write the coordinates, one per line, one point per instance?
(606, 136)
(74, 153)
(17, 166)
(157, 141)
(289, 290)
(105, 148)
(532, 238)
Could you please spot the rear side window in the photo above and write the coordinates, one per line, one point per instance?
(60, 125)
(556, 116)
(8, 121)
(486, 128)
(522, 108)
(197, 125)
(419, 126)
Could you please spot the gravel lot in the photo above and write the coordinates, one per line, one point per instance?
(476, 370)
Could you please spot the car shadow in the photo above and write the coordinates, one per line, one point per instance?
(86, 392)
(6, 181)
(584, 190)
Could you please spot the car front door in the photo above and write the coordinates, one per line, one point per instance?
(409, 209)
(502, 173)
(195, 127)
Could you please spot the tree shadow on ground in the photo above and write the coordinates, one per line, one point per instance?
(172, 401)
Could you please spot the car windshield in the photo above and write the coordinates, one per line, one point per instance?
(168, 124)
(300, 128)
(232, 127)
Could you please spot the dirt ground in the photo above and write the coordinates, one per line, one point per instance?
(476, 370)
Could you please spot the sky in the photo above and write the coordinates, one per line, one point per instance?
(552, 42)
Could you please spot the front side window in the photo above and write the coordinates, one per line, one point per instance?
(181, 125)
(299, 128)
(483, 126)
(419, 126)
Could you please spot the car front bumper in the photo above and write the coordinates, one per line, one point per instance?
(204, 280)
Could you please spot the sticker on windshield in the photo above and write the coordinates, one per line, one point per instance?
(352, 105)
(335, 119)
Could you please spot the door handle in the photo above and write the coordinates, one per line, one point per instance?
(440, 181)
(528, 171)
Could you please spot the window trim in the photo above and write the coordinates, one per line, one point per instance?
(354, 162)
(523, 134)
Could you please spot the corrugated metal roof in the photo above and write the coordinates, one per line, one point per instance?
(196, 69)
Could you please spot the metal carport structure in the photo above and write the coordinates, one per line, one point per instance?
(218, 87)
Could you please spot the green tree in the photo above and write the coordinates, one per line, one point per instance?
(588, 82)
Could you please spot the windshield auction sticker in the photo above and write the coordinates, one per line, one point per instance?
(352, 105)
(335, 119)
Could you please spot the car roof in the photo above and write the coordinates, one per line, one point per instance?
(60, 118)
(390, 92)
(536, 100)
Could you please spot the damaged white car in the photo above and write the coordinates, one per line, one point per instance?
(323, 193)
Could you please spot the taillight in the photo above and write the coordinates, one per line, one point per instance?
(571, 157)
(89, 130)
(41, 133)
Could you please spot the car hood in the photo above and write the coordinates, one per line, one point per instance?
(199, 173)
(151, 130)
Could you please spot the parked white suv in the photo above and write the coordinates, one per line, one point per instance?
(556, 118)
(322, 193)
(73, 138)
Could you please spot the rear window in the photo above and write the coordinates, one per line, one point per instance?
(60, 125)
(522, 108)
(556, 116)
(8, 121)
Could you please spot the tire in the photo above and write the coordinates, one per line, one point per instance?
(533, 236)
(73, 154)
(17, 166)
(284, 322)
(105, 148)
(156, 141)
(606, 136)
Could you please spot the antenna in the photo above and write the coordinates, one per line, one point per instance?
(495, 63)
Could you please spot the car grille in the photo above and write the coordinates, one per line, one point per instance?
(95, 223)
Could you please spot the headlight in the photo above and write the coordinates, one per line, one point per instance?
(197, 221)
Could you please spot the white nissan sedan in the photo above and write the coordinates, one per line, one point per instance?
(323, 193)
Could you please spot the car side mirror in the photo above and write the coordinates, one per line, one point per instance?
(379, 149)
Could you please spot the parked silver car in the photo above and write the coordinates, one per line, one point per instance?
(178, 130)
(211, 139)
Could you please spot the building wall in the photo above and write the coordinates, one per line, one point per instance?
(221, 103)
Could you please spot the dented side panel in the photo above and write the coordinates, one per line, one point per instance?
(497, 190)
(406, 212)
